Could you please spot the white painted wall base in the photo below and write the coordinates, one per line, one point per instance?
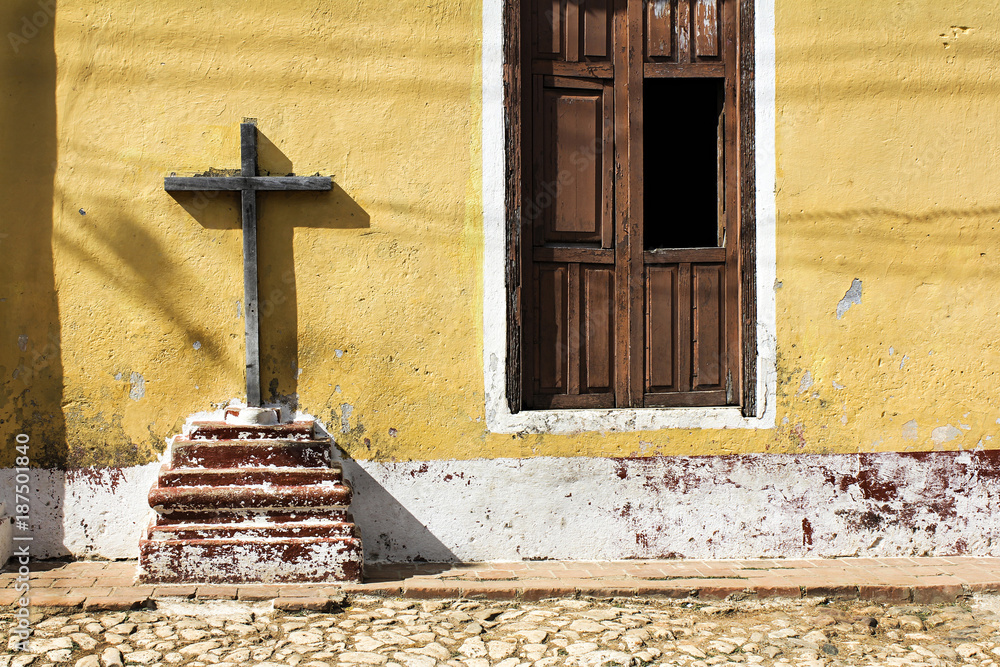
(92, 512)
(599, 508)
(6, 535)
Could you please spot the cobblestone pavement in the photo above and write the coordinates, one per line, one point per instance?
(462, 633)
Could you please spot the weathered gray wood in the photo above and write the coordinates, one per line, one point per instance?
(248, 183)
(251, 320)
(236, 183)
(248, 149)
(250, 300)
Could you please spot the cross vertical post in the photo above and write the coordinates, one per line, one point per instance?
(248, 183)
(251, 308)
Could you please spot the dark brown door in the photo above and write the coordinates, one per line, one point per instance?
(629, 256)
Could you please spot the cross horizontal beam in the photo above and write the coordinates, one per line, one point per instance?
(248, 183)
(236, 183)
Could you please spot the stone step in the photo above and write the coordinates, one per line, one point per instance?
(187, 453)
(251, 504)
(216, 430)
(251, 561)
(253, 517)
(250, 476)
(215, 531)
(200, 498)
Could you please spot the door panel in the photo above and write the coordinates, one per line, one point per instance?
(552, 297)
(706, 28)
(708, 308)
(661, 328)
(571, 192)
(575, 335)
(597, 329)
(572, 30)
(683, 31)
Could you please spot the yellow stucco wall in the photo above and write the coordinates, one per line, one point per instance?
(120, 311)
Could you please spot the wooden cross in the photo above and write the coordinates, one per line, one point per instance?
(248, 183)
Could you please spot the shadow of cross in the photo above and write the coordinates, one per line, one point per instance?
(248, 183)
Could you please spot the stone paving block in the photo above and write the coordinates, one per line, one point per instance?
(381, 589)
(573, 573)
(9, 596)
(92, 591)
(49, 570)
(664, 589)
(299, 591)
(937, 594)
(49, 599)
(985, 587)
(517, 566)
(118, 569)
(88, 568)
(115, 581)
(722, 591)
(144, 589)
(309, 603)
(776, 590)
(884, 593)
(497, 575)
(488, 591)
(608, 589)
(832, 591)
(174, 591)
(75, 582)
(430, 590)
(217, 592)
(532, 592)
(115, 602)
(263, 592)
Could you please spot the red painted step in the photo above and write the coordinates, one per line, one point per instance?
(187, 453)
(213, 531)
(226, 431)
(250, 476)
(242, 560)
(251, 504)
(252, 517)
(186, 498)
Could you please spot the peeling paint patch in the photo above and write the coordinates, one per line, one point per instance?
(806, 383)
(910, 430)
(852, 297)
(903, 362)
(943, 434)
(22, 343)
(838, 386)
(345, 417)
(138, 389)
(197, 345)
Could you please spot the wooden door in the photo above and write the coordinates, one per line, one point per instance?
(629, 199)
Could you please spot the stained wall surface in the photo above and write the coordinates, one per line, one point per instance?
(120, 305)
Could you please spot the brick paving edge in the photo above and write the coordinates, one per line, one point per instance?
(332, 596)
